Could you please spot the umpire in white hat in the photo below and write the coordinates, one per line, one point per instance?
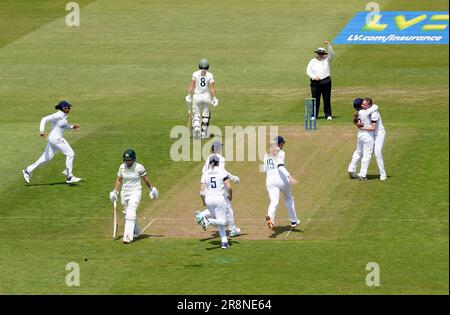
(318, 71)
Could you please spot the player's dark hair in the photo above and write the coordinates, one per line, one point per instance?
(369, 100)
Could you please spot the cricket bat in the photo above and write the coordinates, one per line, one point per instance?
(116, 220)
(189, 121)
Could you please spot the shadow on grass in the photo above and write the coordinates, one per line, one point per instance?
(54, 184)
(281, 229)
(217, 244)
(140, 237)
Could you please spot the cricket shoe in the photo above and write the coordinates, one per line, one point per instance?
(383, 177)
(198, 217)
(126, 240)
(205, 223)
(204, 135)
(270, 223)
(352, 175)
(235, 232)
(72, 179)
(294, 224)
(224, 245)
(26, 176)
(361, 178)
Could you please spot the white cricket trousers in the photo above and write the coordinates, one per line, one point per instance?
(378, 150)
(230, 214)
(217, 206)
(130, 200)
(363, 153)
(274, 187)
(54, 145)
(200, 109)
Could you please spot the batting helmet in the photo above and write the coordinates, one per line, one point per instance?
(203, 64)
(357, 103)
(63, 104)
(129, 155)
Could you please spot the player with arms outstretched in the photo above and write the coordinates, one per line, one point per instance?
(56, 142)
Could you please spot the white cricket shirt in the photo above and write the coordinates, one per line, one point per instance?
(272, 164)
(131, 176)
(320, 68)
(59, 124)
(214, 179)
(202, 82)
(376, 116)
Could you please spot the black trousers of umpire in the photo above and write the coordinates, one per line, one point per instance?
(322, 87)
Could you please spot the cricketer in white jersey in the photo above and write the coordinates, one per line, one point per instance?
(278, 179)
(203, 90)
(365, 140)
(215, 150)
(56, 142)
(129, 176)
(213, 186)
(379, 136)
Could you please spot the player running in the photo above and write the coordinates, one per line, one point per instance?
(55, 143)
(278, 179)
(204, 94)
(129, 176)
(216, 149)
(214, 182)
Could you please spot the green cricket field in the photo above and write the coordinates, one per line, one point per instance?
(126, 69)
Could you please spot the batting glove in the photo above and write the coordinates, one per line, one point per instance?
(215, 101)
(188, 99)
(153, 193)
(113, 195)
(234, 179)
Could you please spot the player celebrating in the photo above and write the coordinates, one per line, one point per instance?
(202, 85)
(56, 142)
(368, 111)
(278, 179)
(213, 184)
(215, 150)
(379, 136)
(129, 175)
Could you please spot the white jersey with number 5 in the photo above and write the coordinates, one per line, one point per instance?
(202, 82)
(214, 179)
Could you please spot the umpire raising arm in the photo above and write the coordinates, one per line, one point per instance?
(318, 71)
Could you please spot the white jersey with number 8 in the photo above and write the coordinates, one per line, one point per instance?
(202, 82)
